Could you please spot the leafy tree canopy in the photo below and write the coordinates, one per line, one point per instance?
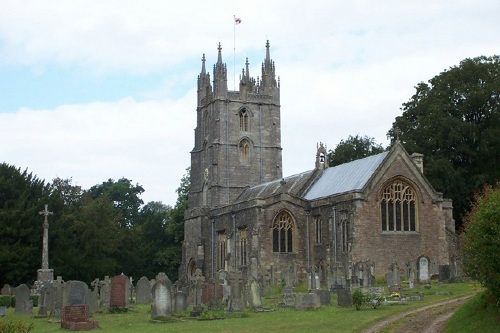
(454, 120)
(482, 240)
(354, 148)
(124, 196)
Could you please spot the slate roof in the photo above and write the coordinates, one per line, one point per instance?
(292, 185)
(344, 178)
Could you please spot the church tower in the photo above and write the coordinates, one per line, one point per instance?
(237, 135)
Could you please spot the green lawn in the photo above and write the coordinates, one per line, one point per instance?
(326, 319)
(480, 314)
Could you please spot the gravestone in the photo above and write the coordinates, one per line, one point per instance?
(288, 296)
(161, 305)
(143, 291)
(3, 311)
(307, 301)
(236, 281)
(344, 298)
(23, 303)
(324, 296)
(180, 301)
(423, 269)
(76, 318)
(254, 293)
(59, 286)
(7, 290)
(197, 281)
(47, 300)
(75, 292)
(118, 291)
(444, 273)
(392, 275)
(104, 292)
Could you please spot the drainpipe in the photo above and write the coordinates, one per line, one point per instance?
(213, 247)
(234, 240)
(335, 234)
(308, 213)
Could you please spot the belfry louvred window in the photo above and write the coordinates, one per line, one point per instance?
(398, 207)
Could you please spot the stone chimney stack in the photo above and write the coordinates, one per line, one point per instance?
(418, 159)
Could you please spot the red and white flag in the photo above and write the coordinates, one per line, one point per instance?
(237, 20)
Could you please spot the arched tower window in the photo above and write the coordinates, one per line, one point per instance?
(283, 233)
(398, 207)
(244, 152)
(244, 121)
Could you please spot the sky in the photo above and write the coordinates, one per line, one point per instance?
(91, 91)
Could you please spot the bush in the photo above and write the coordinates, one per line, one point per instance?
(358, 298)
(12, 327)
(6, 301)
(482, 240)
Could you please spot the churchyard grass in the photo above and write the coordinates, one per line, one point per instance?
(325, 319)
(480, 314)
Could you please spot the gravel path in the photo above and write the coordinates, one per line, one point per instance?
(428, 319)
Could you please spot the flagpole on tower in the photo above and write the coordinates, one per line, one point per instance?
(235, 22)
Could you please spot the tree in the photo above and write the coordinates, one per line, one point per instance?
(454, 120)
(152, 230)
(482, 240)
(22, 196)
(171, 255)
(124, 196)
(355, 147)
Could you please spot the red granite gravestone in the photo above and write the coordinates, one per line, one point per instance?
(76, 318)
(118, 292)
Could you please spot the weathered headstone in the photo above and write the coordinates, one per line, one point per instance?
(143, 291)
(444, 273)
(76, 318)
(180, 301)
(307, 301)
(423, 269)
(47, 300)
(254, 298)
(7, 290)
(118, 292)
(59, 286)
(288, 296)
(162, 297)
(23, 303)
(344, 298)
(197, 281)
(75, 292)
(104, 292)
(324, 296)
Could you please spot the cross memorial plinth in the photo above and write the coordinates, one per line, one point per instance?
(45, 274)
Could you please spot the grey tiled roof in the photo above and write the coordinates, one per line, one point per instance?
(291, 185)
(345, 177)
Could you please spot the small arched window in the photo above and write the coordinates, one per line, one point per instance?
(244, 152)
(283, 233)
(398, 207)
(244, 121)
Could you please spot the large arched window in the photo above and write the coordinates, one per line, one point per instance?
(398, 207)
(283, 233)
(244, 121)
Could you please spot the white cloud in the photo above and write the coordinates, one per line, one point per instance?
(146, 142)
(345, 66)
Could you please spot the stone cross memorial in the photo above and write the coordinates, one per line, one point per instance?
(45, 274)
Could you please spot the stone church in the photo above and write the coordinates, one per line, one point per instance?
(328, 226)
